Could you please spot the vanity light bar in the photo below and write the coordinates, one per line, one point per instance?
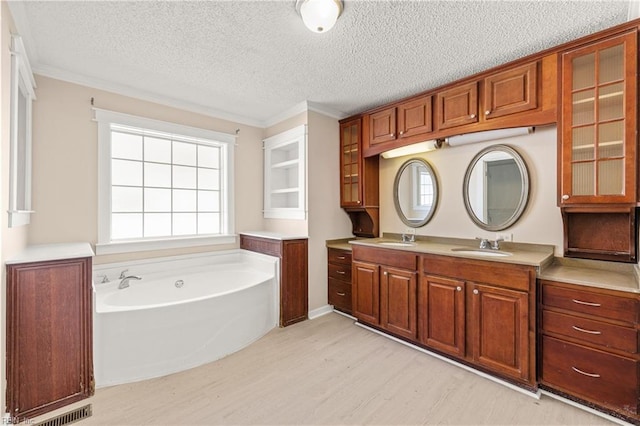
(489, 135)
(416, 148)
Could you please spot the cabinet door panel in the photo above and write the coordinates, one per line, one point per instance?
(366, 292)
(501, 339)
(457, 106)
(511, 91)
(441, 314)
(398, 301)
(415, 117)
(382, 126)
(350, 163)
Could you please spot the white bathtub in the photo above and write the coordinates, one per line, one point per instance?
(153, 328)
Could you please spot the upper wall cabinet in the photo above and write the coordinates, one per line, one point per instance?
(405, 120)
(457, 106)
(597, 131)
(285, 161)
(511, 91)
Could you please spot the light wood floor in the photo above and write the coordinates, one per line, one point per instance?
(326, 371)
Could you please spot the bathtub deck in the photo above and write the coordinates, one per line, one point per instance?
(325, 371)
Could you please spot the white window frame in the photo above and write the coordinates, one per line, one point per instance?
(22, 84)
(105, 119)
(417, 189)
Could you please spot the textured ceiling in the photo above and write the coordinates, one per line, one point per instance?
(254, 60)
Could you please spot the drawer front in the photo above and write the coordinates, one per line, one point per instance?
(389, 257)
(340, 272)
(340, 295)
(591, 331)
(591, 303)
(339, 256)
(597, 376)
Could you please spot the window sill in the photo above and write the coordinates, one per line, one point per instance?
(150, 245)
(19, 217)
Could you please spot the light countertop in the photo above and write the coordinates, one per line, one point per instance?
(591, 273)
(46, 252)
(274, 235)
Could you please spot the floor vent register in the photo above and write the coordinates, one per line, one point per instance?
(68, 417)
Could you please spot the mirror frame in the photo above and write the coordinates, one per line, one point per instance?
(436, 193)
(524, 193)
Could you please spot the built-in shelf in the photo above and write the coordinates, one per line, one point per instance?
(601, 97)
(285, 175)
(601, 144)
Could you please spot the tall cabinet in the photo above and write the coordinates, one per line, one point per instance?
(598, 149)
(49, 329)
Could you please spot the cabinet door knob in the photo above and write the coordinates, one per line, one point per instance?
(458, 288)
(385, 273)
(401, 132)
(487, 112)
(472, 116)
(475, 291)
(565, 197)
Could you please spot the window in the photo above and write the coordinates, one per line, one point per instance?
(162, 185)
(423, 190)
(22, 96)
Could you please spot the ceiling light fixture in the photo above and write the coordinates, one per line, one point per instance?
(416, 148)
(319, 15)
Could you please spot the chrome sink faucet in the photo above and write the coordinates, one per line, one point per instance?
(495, 245)
(408, 238)
(486, 243)
(124, 283)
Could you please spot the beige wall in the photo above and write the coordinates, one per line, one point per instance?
(65, 178)
(541, 222)
(13, 239)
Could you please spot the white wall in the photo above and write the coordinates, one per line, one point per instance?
(541, 222)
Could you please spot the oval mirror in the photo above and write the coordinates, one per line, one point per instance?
(496, 188)
(415, 192)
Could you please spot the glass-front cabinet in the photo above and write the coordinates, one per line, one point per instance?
(350, 143)
(598, 127)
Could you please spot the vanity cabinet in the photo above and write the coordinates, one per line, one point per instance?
(404, 120)
(590, 344)
(481, 312)
(49, 335)
(358, 180)
(441, 322)
(597, 130)
(385, 289)
(339, 274)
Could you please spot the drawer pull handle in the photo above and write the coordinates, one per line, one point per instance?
(596, 376)
(341, 294)
(580, 302)
(341, 257)
(340, 272)
(585, 331)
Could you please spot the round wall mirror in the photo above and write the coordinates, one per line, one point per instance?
(415, 192)
(496, 188)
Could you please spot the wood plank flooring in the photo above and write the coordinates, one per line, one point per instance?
(326, 372)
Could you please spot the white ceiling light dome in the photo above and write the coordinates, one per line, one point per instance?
(319, 15)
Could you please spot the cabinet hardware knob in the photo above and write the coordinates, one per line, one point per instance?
(475, 291)
(458, 288)
(341, 294)
(401, 132)
(580, 302)
(472, 116)
(487, 112)
(585, 331)
(393, 135)
(340, 272)
(385, 273)
(565, 197)
(585, 374)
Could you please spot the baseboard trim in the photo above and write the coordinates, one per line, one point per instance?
(321, 311)
(585, 408)
(535, 395)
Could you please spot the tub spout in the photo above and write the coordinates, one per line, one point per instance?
(124, 283)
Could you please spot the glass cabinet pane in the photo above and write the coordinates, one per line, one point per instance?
(584, 68)
(583, 143)
(583, 107)
(583, 178)
(611, 102)
(611, 177)
(611, 64)
(611, 139)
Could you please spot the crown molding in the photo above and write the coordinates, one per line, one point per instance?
(144, 95)
(304, 106)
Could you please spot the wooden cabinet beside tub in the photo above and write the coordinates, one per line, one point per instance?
(590, 346)
(294, 287)
(49, 334)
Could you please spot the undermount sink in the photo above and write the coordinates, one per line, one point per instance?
(481, 252)
(395, 243)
